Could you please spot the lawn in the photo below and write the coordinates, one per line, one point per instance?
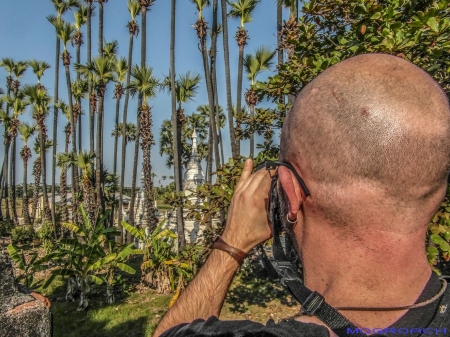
(138, 311)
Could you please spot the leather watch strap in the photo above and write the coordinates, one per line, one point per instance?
(235, 253)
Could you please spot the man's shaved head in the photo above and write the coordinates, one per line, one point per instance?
(374, 120)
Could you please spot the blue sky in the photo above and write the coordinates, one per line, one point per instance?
(26, 34)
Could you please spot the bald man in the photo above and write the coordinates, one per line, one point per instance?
(370, 137)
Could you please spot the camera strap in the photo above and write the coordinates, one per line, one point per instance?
(312, 303)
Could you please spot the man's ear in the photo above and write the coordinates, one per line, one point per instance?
(292, 189)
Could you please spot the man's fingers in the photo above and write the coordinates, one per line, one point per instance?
(252, 184)
(246, 172)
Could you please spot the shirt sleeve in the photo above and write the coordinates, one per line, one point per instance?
(213, 327)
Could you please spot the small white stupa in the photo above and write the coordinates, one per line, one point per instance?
(193, 178)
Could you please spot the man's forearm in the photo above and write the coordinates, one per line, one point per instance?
(205, 294)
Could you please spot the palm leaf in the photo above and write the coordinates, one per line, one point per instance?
(126, 268)
(125, 252)
(132, 230)
(16, 256)
(97, 280)
(100, 263)
(73, 228)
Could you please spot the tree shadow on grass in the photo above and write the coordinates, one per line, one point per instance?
(257, 291)
(87, 327)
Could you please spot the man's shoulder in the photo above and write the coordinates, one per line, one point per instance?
(213, 327)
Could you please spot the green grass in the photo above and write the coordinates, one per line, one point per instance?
(137, 314)
(133, 315)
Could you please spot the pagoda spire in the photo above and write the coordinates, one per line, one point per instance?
(194, 144)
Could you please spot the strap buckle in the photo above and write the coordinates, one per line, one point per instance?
(312, 303)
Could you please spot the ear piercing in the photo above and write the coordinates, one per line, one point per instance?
(290, 221)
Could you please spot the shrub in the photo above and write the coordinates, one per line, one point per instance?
(6, 227)
(23, 234)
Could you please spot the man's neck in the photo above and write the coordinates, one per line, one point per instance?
(377, 269)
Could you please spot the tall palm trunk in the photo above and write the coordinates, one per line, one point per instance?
(202, 28)
(175, 126)
(138, 123)
(100, 27)
(226, 54)
(47, 213)
(118, 95)
(37, 170)
(124, 131)
(25, 153)
(66, 61)
(209, 158)
(279, 30)
(1, 188)
(12, 183)
(149, 218)
(63, 195)
(55, 125)
(78, 103)
(214, 79)
(89, 57)
(5, 175)
(99, 158)
(241, 38)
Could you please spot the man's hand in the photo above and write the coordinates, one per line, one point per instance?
(247, 225)
(247, 222)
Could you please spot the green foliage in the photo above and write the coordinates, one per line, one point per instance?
(330, 31)
(438, 247)
(90, 256)
(6, 227)
(28, 264)
(23, 234)
(46, 235)
(164, 269)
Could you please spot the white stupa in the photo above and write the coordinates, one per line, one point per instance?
(193, 178)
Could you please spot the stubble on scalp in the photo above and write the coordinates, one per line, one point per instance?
(374, 120)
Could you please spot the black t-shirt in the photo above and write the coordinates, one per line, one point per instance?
(418, 319)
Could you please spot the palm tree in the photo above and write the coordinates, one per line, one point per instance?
(85, 161)
(40, 101)
(289, 26)
(242, 10)
(145, 5)
(39, 67)
(37, 173)
(133, 28)
(175, 128)
(90, 9)
(100, 27)
(226, 54)
(101, 69)
(186, 87)
(198, 121)
(145, 84)
(6, 120)
(292, 5)
(201, 27)
(65, 34)
(26, 131)
(18, 105)
(9, 65)
(130, 133)
(79, 91)
(253, 65)
(81, 17)
(119, 72)
(64, 160)
(61, 7)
